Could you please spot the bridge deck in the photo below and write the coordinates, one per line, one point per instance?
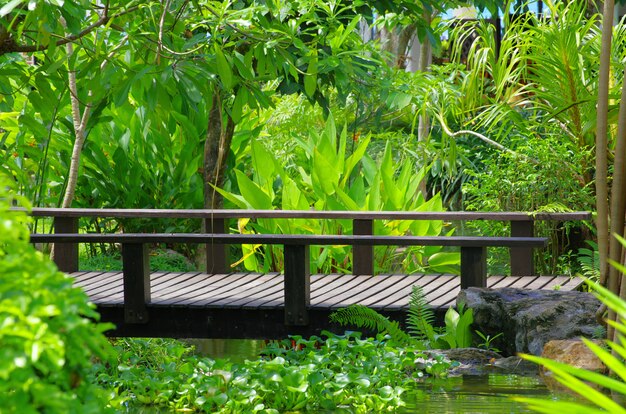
(195, 304)
(332, 291)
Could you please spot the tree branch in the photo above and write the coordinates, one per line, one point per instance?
(11, 47)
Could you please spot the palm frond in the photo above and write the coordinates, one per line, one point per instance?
(364, 317)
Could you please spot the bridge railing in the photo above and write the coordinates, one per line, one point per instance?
(297, 284)
(522, 224)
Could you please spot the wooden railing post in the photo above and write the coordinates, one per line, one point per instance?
(473, 267)
(216, 254)
(297, 284)
(363, 256)
(66, 254)
(136, 267)
(522, 262)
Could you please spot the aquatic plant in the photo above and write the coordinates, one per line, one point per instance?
(364, 375)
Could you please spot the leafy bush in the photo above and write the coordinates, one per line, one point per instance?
(536, 179)
(48, 340)
(335, 175)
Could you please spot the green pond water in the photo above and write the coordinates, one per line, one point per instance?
(480, 395)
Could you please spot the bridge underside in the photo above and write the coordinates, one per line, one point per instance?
(251, 305)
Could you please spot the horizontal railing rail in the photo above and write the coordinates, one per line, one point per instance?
(310, 214)
(522, 225)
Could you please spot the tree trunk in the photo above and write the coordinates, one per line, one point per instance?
(423, 126)
(80, 124)
(216, 148)
(618, 201)
(602, 202)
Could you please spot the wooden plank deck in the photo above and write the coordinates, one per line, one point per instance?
(251, 305)
(256, 290)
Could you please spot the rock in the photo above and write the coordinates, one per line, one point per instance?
(573, 352)
(516, 365)
(472, 361)
(528, 319)
(476, 361)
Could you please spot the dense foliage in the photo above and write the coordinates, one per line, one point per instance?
(47, 334)
(297, 374)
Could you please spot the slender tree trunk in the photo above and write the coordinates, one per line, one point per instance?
(602, 202)
(618, 201)
(80, 124)
(423, 126)
(211, 149)
(216, 148)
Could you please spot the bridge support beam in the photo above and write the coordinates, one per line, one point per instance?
(216, 253)
(136, 266)
(66, 254)
(363, 255)
(297, 285)
(473, 267)
(522, 262)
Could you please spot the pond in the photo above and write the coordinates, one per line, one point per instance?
(469, 394)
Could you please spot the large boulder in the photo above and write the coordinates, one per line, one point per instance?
(528, 319)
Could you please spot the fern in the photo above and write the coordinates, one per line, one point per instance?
(420, 316)
(364, 317)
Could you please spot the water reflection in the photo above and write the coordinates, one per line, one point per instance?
(237, 350)
(481, 395)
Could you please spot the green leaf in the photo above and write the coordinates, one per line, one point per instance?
(8, 8)
(325, 175)
(223, 69)
(252, 193)
(310, 79)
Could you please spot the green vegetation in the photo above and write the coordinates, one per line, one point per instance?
(420, 319)
(49, 340)
(283, 105)
(365, 375)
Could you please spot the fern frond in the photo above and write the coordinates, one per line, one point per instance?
(420, 316)
(364, 317)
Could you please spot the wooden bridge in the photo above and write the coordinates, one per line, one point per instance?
(220, 303)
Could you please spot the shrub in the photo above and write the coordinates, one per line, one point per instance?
(46, 330)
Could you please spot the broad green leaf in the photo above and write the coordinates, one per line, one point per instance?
(8, 8)
(236, 199)
(238, 104)
(310, 79)
(223, 68)
(354, 159)
(262, 163)
(346, 200)
(391, 192)
(252, 193)
(325, 175)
